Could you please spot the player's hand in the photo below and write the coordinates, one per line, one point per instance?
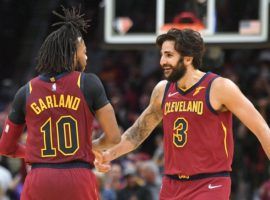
(100, 164)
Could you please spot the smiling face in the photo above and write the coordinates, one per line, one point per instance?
(171, 62)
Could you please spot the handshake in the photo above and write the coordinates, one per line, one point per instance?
(102, 161)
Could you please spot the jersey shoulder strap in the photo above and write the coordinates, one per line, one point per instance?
(165, 93)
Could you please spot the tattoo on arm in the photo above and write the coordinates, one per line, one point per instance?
(137, 132)
(145, 124)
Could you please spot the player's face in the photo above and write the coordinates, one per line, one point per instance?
(171, 62)
(80, 57)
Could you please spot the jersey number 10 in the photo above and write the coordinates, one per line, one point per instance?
(66, 127)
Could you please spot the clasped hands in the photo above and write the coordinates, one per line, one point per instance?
(102, 162)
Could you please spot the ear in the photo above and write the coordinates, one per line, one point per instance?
(188, 60)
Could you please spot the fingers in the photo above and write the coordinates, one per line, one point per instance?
(102, 167)
(100, 164)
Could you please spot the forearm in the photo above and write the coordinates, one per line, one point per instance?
(264, 137)
(124, 147)
(20, 151)
(131, 139)
(102, 143)
(17, 152)
(141, 129)
(9, 142)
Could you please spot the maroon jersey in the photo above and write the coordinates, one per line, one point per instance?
(197, 139)
(59, 122)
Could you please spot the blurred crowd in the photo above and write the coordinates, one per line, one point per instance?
(129, 77)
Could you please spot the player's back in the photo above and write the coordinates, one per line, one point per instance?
(59, 122)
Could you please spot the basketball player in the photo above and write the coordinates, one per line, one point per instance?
(196, 110)
(58, 108)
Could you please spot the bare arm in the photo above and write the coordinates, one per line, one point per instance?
(227, 95)
(108, 123)
(142, 127)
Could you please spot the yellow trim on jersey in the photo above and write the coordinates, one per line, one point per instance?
(225, 138)
(30, 87)
(180, 132)
(65, 145)
(184, 89)
(79, 81)
(197, 90)
(45, 136)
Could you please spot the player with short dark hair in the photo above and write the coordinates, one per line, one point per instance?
(58, 108)
(196, 111)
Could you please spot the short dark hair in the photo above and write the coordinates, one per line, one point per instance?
(187, 42)
(57, 52)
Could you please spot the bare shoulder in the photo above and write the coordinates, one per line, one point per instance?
(161, 86)
(223, 90)
(223, 85)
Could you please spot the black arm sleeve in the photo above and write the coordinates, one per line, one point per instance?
(94, 92)
(17, 113)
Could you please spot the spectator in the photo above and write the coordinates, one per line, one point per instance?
(151, 176)
(5, 181)
(133, 189)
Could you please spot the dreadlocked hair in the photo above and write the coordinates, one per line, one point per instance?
(57, 52)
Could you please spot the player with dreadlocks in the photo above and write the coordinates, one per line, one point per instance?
(57, 108)
(58, 50)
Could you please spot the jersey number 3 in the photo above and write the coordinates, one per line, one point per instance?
(67, 136)
(180, 132)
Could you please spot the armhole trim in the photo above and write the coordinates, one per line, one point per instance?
(79, 80)
(207, 96)
(29, 87)
(165, 93)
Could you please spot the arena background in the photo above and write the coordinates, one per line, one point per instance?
(122, 53)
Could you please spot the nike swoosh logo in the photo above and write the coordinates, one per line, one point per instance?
(172, 94)
(213, 186)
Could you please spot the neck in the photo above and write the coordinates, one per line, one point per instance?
(191, 77)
